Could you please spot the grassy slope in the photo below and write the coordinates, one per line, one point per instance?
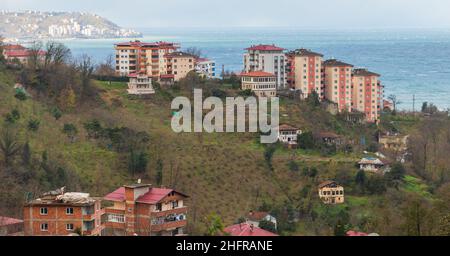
(222, 173)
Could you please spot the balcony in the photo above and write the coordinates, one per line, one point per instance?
(172, 211)
(168, 225)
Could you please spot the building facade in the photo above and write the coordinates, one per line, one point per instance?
(331, 193)
(288, 134)
(305, 72)
(16, 52)
(367, 94)
(338, 83)
(140, 209)
(140, 84)
(263, 84)
(205, 68)
(62, 214)
(267, 58)
(179, 64)
(140, 57)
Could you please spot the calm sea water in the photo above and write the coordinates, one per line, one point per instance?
(411, 61)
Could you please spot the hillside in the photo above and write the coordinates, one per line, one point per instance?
(43, 25)
(223, 173)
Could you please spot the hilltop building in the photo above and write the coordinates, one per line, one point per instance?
(331, 193)
(178, 65)
(263, 84)
(16, 52)
(338, 83)
(140, 84)
(267, 58)
(58, 213)
(205, 68)
(247, 229)
(305, 72)
(371, 164)
(141, 209)
(393, 141)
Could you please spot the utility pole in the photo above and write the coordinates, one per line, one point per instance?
(414, 104)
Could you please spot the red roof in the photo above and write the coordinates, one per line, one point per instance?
(264, 47)
(4, 221)
(153, 196)
(258, 74)
(356, 233)
(142, 44)
(202, 59)
(245, 229)
(21, 53)
(11, 47)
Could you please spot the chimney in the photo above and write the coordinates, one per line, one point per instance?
(251, 228)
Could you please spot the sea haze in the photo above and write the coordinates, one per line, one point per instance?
(411, 61)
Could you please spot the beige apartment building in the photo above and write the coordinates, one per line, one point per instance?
(305, 72)
(178, 65)
(263, 84)
(267, 58)
(367, 93)
(138, 57)
(338, 83)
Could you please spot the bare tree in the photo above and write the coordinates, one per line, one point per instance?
(194, 51)
(395, 101)
(106, 68)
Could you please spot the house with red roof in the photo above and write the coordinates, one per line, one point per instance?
(143, 210)
(10, 226)
(262, 84)
(247, 229)
(18, 52)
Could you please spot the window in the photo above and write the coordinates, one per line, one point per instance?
(44, 211)
(174, 204)
(44, 226)
(69, 227)
(69, 211)
(118, 218)
(158, 207)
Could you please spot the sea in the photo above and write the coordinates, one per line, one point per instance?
(414, 63)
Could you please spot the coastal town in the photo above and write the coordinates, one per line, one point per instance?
(147, 68)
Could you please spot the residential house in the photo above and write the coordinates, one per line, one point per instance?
(140, 84)
(143, 210)
(393, 141)
(329, 138)
(331, 193)
(288, 134)
(205, 68)
(247, 229)
(58, 213)
(21, 54)
(371, 164)
(256, 217)
(263, 84)
(10, 226)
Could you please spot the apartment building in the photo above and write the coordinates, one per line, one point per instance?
(205, 67)
(140, 84)
(138, 57)
(338, 83)
(141, 209)
(267, 58)
(367, 93)
(331, 193)
(179, 64)
(60, 214)
(305, 72)
(263, 84)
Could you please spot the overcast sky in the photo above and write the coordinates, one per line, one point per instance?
(228, 13)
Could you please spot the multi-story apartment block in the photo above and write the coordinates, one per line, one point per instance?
(263, 84)
(367, 93)
(135, 57)
(338, 83)
(140, 209)
(179, 64)
(58, 214)
(205, 67)
(305, 72)
(331, 193)
(140, 84)
(267, 58)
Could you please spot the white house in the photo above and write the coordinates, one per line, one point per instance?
(140, 84)
(372, 164)
(288, 134)
(256, 217)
